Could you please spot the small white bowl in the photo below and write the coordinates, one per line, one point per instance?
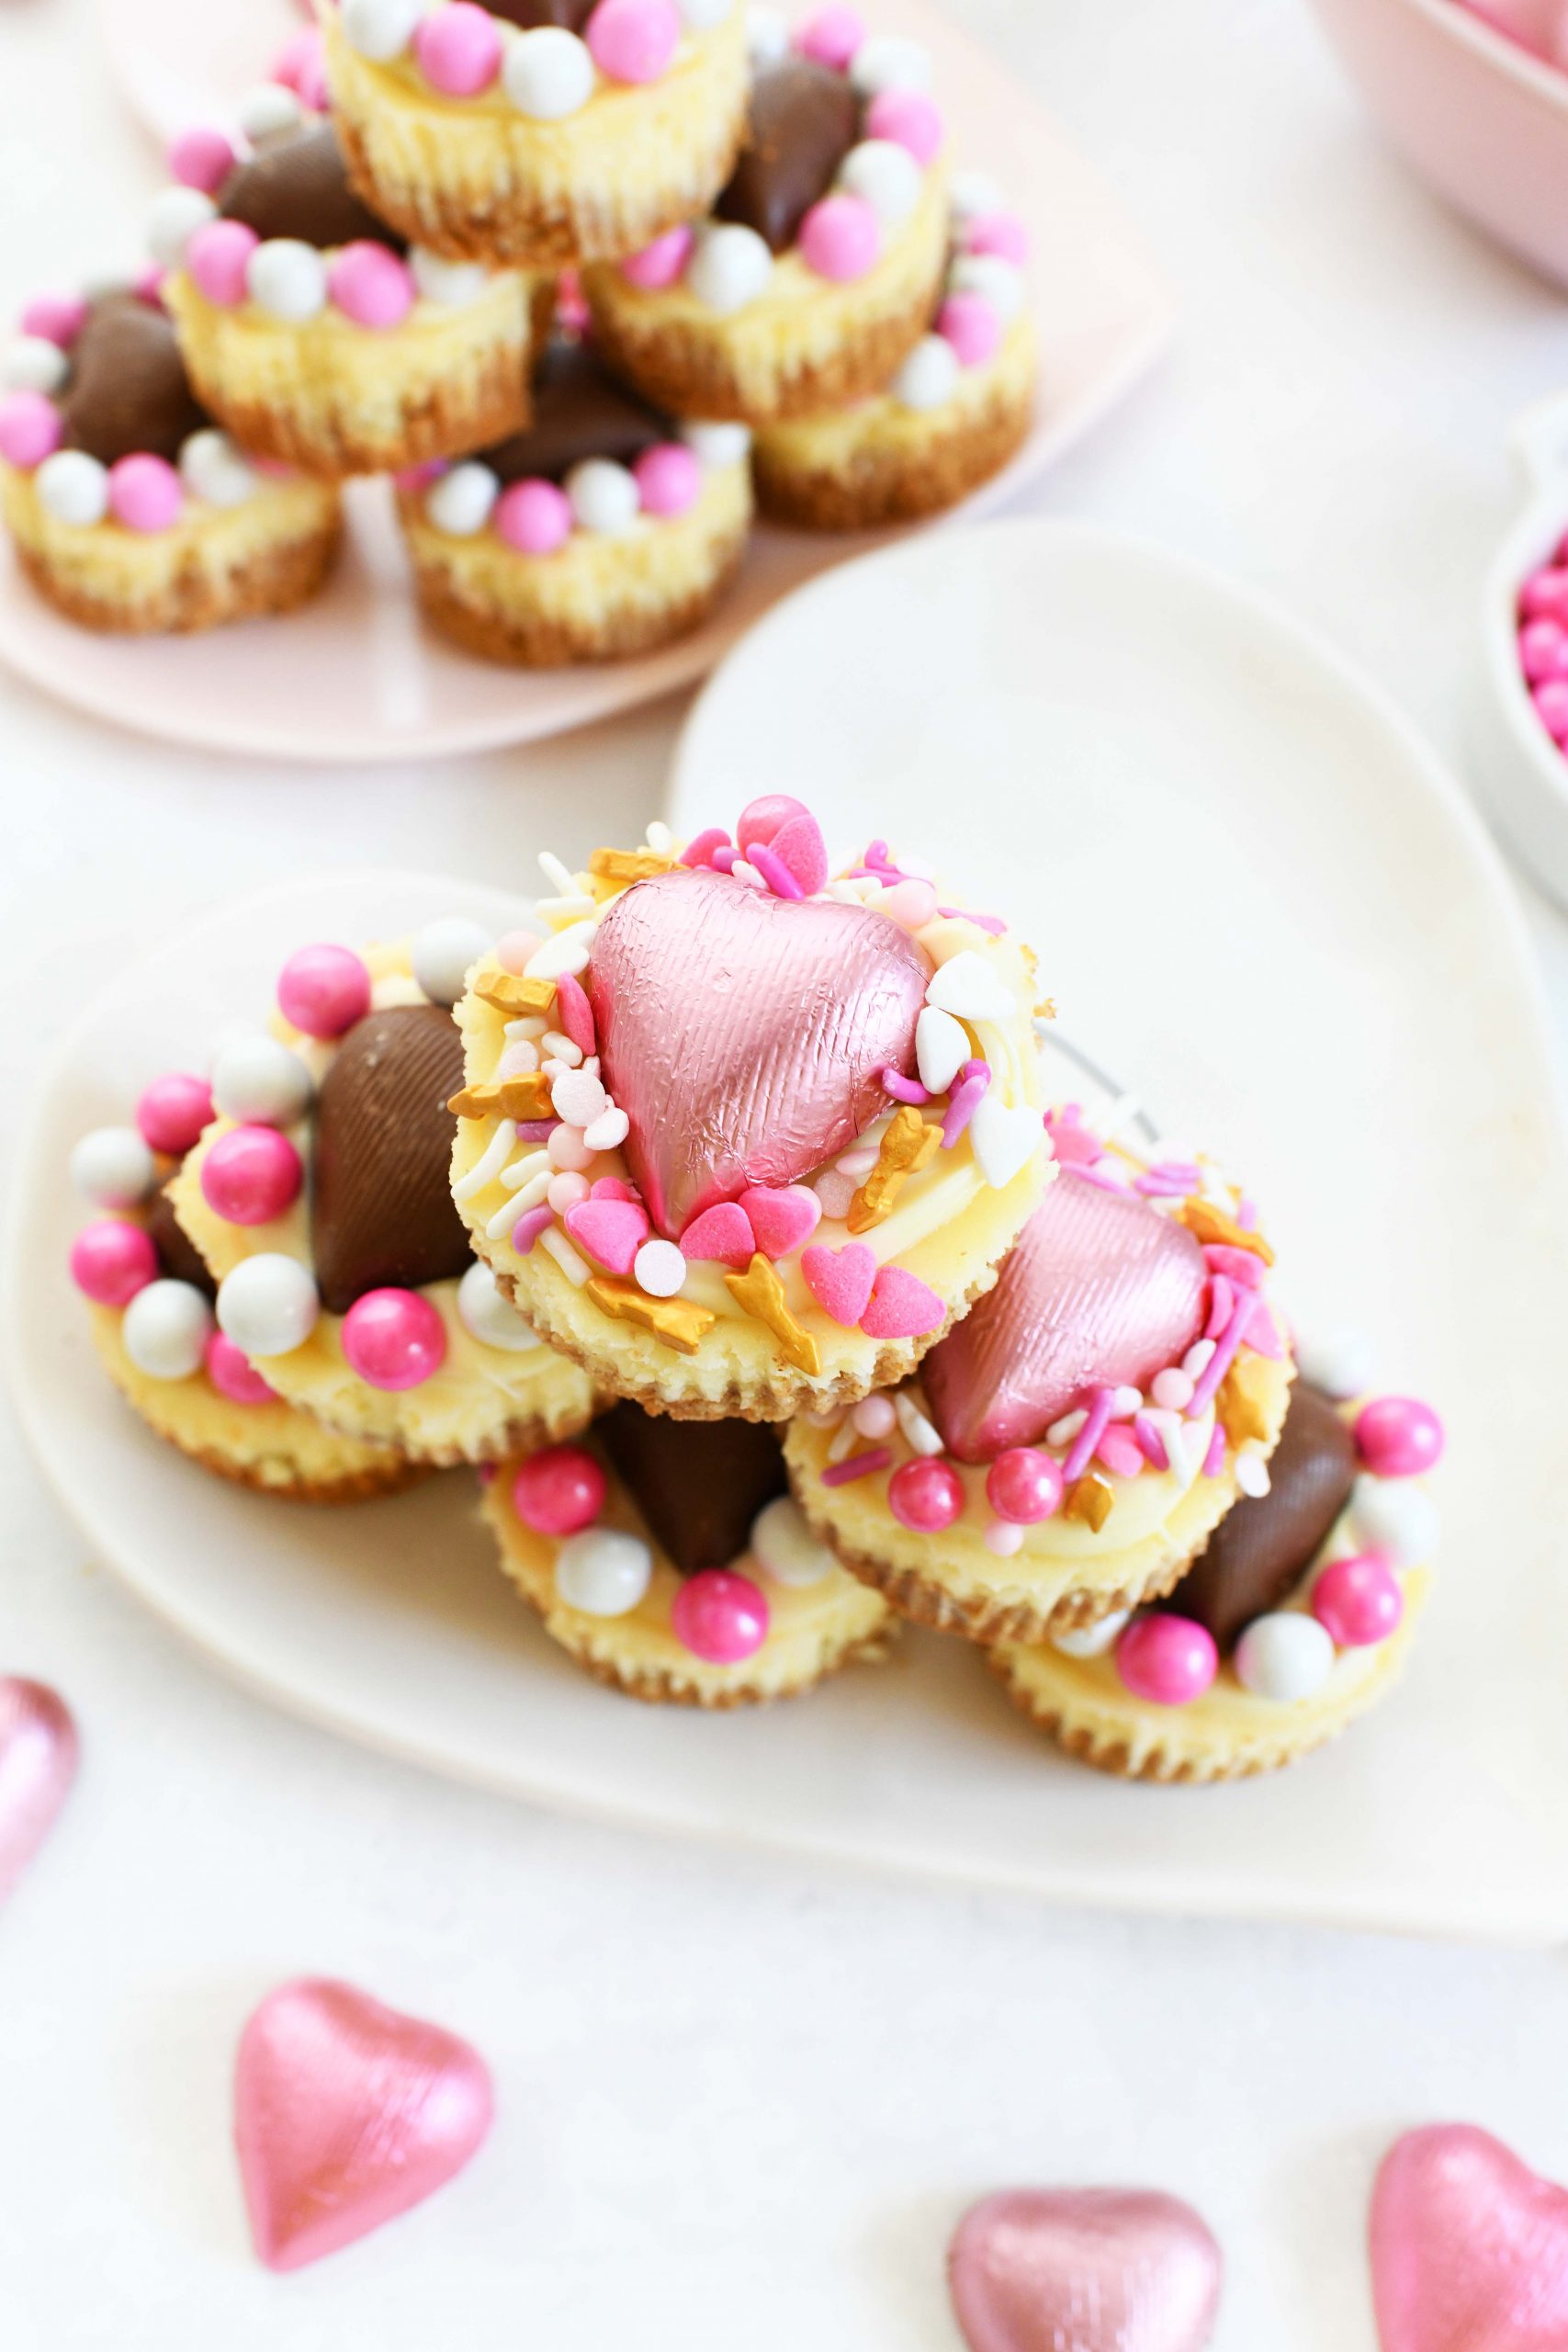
(1519, 772)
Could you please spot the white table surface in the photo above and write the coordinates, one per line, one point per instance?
(741, 2101)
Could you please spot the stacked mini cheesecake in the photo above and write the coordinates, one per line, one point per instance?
(585, 276)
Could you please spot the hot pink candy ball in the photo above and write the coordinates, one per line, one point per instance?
(30, 428)
(633, 41)
(910, 119)
(1001, 233)
(111, 1260)
(1167, 1660)
(832, 36)
(251, 1175)
(394, 1339)
(925, 1495)
(669, 479)
(370, 285)
(1023, 1486)
(973, 326)
(458, 50)
(201, 158)
(173, 1111)
(720, 1617)
(149, 287)
(661, 263)
(295, 60)
(534, 516)
(145, 492)
(1552, 706)
(217, 257)
(1544, 596)
(1358, 1601)
(559, 1491)
(233, 1375)
(57, 318)
(1543, 651)
(324, 990)
(761, 819)
(841, 238)
(1398, 1437)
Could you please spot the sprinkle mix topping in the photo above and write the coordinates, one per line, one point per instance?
(546, 69)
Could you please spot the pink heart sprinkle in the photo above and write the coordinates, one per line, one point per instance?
(576, 1014)
(902, 1306)
(798, 845)
(841, 1279)
(37, 1764)
(701, 851)
(612, 1188)
(782, 1217)
(723, 1232)
(611, 1231)
(1469, 2247)
(1119, 1451)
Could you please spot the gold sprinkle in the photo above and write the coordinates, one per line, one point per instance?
(527, 1097)
(675, 1322)
(1212, 1225)
(908, 1143)
(1241, 1400)
(1088, 1500)
(1046, 1008)
(614, 869)
(514, 996)
(761, 1293)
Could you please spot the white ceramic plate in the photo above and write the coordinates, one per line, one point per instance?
(363, 681)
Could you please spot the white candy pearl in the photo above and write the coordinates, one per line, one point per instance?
(165, 1329)
(380, 29)
(715, 445)
(113, 1167)
(288, 279)
(212, 469)
(999, 281)
(1091, 1641)
(269, 110)
(605, 497)
(461, 501)
(973, 194)
(177, 213)
(578, 1097)
(490, 1316)
(660, 1269)
(730, 267)
(767, 35)
(72, 487)
(451, 283)
(1285, 1656)
(549, 74)
(268, 1306)
(885, 175)
(33, 364)
(603, 1572)
(1339, 1363)
(942, 1049)
(261, 1080)
(783, 1541)
(928, 377)
(889, 61)
(443, 953)
(1395, 1517)
(704, 15)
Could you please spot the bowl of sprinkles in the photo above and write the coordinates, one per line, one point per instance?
(1519, 725)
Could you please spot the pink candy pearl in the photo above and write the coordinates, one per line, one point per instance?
(661, 263)
(668, 479)
(111, 1260)
(216, 259)
(633, 41)
(1358, 1601)
(566, 1190)
(393, 1338)
(1398, 1437)
(145, 494)
(1543, 651)
(1552, 707)
(1002, 233)
(296, 59)
(534, 516)
(912, 904)
(201, 158)
(1167, 1660)
(233, 1375)
(458, 50)
(516, 948)
(251, 1175)
(841, 238)
(567, 1149)
(973, 326)
(370, 285)
(832, 37)
(1023, 1484)
(1545, 595)
(324, 990)
(56, 318)
(172, 1113)
(30, 428)
(720, 1617)
(910, 119)
(925, 1495)
(761, 819)
(559, 1491)
(149, 287)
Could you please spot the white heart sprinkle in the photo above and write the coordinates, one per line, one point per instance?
(967, 985)
(942, 1049)
(1005, 1138)
(568, 952)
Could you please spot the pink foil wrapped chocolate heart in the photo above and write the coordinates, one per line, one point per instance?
(1469, 2248)
(37, 1764)
(1084, 2270)
(744, 1036)
(348, 2113)
(1099, 1291)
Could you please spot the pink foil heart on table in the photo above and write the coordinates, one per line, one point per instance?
(348, 2113)
(1469, 2248)
(1084, 2270)
(38, 1753)
(1099, 1291)
(744, 1035)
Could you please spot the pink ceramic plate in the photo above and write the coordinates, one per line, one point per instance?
(362, 681)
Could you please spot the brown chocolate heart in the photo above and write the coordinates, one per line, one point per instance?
(804, 119)
(580, 410)
(383, 1212)
(572, 15)
(179, 1259)
(300, 188)
(1266, 1543)
(698, 1484)
(128, 390)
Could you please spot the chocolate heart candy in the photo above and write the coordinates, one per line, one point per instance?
(128, 390)
(1084, 2270)
(572, 15)
(298, 187)
(804, 119)
(178, 1257)
(383, 1212)
(580, 410)
(698, 1484)
(744, 1036)
(1099, 1291)
(1469, 2247)
(1265, 1544)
